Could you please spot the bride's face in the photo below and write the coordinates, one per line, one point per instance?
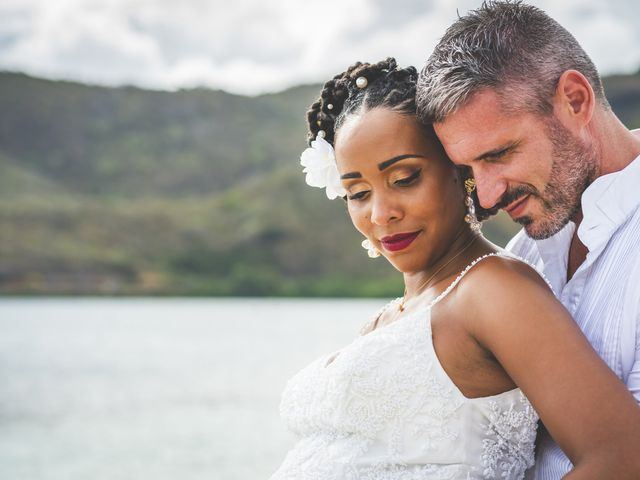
(403, 193)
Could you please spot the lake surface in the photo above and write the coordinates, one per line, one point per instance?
(156, 388)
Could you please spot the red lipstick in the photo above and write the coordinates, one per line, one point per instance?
(399, 241)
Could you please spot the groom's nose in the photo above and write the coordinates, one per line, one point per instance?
(490, 188)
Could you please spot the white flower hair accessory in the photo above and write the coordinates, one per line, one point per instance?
(319, 162)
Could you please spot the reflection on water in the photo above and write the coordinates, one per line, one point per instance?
(155, 388)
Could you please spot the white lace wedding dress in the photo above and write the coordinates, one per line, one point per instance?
(384, 409)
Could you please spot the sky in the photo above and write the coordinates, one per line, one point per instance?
(256, 46)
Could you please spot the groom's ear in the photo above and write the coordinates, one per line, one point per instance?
(574, 100)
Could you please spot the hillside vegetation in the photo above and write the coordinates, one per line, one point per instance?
(199, 192)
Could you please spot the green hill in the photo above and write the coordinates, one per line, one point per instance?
(199, 192)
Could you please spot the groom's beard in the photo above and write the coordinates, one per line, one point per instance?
(574, 167)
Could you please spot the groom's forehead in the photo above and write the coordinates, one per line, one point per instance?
(481, 113)
(480, 126)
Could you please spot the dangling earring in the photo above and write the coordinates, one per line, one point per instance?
(470, 217)
(372, 251)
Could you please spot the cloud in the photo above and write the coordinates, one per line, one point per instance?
(607, 31)
(249, 46)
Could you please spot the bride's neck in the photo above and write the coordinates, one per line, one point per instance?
(456, 256)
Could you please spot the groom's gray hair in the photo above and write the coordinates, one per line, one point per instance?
(510, 47)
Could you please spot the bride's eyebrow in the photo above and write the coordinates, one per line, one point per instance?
(351, 175)
(382, 165)
(391, 161)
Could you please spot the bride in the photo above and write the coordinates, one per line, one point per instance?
(449, 380)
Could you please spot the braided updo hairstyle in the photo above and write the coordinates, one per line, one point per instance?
(387, 86)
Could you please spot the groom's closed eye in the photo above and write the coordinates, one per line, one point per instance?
(498, 153)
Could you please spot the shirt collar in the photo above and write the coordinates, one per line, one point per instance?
(607, 203)
(554, 253)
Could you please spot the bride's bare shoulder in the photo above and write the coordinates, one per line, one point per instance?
(503, 273)
(500, 288)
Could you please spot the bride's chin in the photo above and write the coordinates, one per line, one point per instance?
(406, 266)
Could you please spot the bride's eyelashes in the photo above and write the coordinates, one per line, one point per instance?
(358, 195)
(406, 181)
(401, 182)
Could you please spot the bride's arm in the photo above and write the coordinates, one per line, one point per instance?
(584, 406)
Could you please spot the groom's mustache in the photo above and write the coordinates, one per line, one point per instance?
(512, 195)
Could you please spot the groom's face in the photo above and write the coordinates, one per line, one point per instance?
(529, 165)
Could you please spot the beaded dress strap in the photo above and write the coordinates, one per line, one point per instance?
(370, 324)
(508, 254)
(453, 284)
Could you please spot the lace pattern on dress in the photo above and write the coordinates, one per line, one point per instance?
(511, 433)
(384, 409)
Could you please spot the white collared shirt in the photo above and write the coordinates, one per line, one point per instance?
(603, 296)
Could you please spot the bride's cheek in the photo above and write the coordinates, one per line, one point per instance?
(358, 219)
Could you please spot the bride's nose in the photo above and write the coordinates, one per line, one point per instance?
(385, 209)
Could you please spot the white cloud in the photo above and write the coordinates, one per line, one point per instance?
(606, 30)
(248, 46)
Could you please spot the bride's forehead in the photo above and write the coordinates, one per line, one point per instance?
(375, 127)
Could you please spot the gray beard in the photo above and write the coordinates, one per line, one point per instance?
(574, 168)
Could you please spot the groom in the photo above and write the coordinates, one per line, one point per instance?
(513, 96)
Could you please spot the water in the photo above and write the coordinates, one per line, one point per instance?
(156, 388)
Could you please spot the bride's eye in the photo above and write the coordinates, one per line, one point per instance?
(358, 195)
(403, 182)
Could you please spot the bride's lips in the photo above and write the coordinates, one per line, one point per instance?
(399, 241)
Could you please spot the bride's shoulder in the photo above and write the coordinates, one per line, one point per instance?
(501, 268)
(502, 292)
(502, 277)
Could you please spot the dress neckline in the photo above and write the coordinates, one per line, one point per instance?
(430, 305)
(426, 311)
(329, 359)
